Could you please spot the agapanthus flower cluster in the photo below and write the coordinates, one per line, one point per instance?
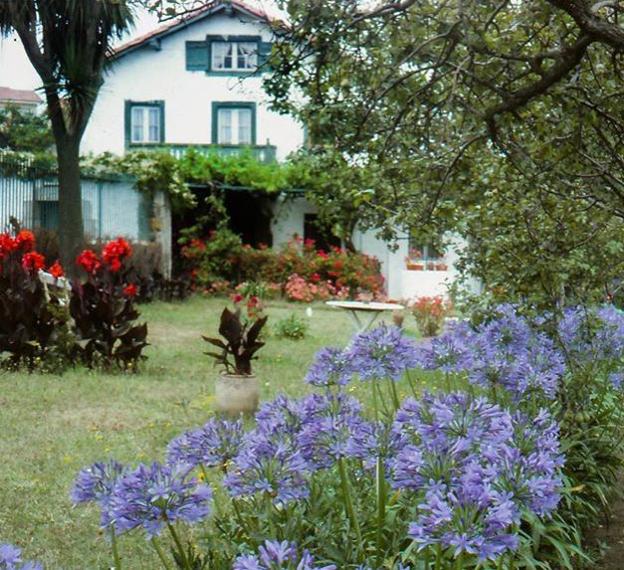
(479, 469)
(11, 559)
(382, 353)
(95, 484)
(152, 495)
(274, 555)
(592, 335)
(327, 434)
(268, 465)
(331, 367)
(213, 445)
(505, 351)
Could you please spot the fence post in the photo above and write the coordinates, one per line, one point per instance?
(163, 231)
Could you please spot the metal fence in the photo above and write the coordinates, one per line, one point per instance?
(109, 207)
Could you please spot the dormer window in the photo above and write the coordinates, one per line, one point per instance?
(234, 56)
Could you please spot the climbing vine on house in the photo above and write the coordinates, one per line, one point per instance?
(155, 171)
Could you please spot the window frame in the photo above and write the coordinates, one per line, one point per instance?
(234, 41)
(147, 106)
(233, 105)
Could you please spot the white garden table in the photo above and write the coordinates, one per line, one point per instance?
(367, 311)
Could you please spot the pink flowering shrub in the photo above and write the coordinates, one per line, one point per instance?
(299, 270)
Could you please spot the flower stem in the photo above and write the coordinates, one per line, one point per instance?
(375, 407)
(395, 395)
(438, 563)
(178, 543)
(116, 558)
(160, 553)
(344, 481)
(381, 506)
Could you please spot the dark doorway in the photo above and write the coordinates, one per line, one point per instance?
(313, 230)
(250, 216)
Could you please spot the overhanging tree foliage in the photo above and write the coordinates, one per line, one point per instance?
(68, 43)
(24, 131)
(419, 89)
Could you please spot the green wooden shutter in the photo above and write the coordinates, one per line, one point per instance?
(264, 52)
(197, 56)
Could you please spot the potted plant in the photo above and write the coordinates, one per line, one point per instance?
(237, 388)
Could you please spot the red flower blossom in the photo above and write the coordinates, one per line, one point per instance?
(25, 240)
(253, 302)
(114, 264)
(7, 245)
(322, 254)
(130, 291)
(89, 261)
(56, 270)
(114, 251)
(315, 277)
(33, 261)
(237, 298)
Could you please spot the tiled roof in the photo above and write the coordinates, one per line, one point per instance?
(18, 96)
(187, 19)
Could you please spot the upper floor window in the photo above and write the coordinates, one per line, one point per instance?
(234, 123)
(145, 124)
(234, 56)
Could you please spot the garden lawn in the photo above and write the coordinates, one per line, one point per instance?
(52, 425)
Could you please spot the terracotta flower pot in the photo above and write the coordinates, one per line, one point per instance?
(236, 394)
(415, 266)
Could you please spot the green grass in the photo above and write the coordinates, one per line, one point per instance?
(53, 425)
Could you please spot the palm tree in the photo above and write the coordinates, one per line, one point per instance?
(69, 44)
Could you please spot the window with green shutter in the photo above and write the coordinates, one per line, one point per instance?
(197, 56)
(228, 55)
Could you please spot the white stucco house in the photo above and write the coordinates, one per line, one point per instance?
(197, 82)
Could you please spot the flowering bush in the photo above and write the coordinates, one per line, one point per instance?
(32, 320)
(103, 309)
(451, 479)
(430, 313)
(302, 272)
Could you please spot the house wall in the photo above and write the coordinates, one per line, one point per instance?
(401, 283)
(146, 74)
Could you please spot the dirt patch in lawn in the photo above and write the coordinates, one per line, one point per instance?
(611, 536)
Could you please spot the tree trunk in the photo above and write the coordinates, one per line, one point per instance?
(71, 229)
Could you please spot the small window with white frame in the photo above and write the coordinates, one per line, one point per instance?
(235, 125)
(145, 124)
(234, 56)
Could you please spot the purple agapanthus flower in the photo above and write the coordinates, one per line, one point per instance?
(592, 335)
(95, 484)
(213, 445)
(503, 352)
(334, 428)
(11, 559)
(331, 367)
(150, 496)
(274, 555)
(267, 464)
(383, 352)
(616, 379)
(478, 469)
